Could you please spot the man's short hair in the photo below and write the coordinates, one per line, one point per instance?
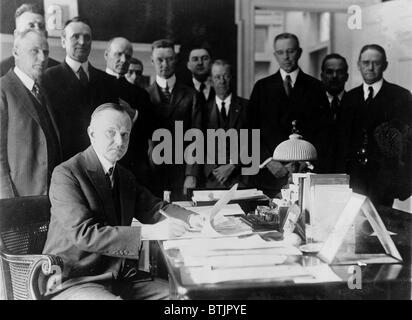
(223, 63)
(287, 35)
(21, 35)
(136, 61)
(77, 19)
(200, 46)
(373, 46)
(108, 106)
(334, 56)
(163, 43)
(28, 7)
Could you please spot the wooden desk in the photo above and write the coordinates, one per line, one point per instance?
(386, 281)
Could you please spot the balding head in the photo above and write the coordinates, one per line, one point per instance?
(109, 131)
(118, 54)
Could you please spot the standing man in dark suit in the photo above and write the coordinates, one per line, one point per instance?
(29, 140)
(199, 64)
(27, 16)
(93, 200)
(76, 88)
(376, 133)
(276, 101)
(173, 101)
(334, 76)
(118, 55)
(226, 111)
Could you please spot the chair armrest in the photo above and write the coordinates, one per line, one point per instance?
(30, 276)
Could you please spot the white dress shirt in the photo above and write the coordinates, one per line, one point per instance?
(206, 91)
(75, 65)
(227, 102)
(376, 87)
(161, 82)
(293, 75)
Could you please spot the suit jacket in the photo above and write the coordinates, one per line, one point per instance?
(75, 104)
(384, 130)
(238, 118)
(8, 63)
(86, 231)
(182, 107)
(273, 112)
(327, 144)
(25, 164)
(136, 158)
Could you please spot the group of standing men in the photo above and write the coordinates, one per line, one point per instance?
(364, 133)
(81, 119)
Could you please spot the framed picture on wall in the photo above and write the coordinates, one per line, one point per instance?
(57, 12)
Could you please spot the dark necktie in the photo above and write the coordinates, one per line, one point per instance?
(287, 84)
(109, 177)
(223, 112)
(334, 106)
(370, 96)
(202, 89)
(166, 93)
(36, 92)
(84, 80)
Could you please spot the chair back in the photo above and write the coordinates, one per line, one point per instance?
(24, 223)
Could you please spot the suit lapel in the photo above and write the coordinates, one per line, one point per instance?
(177, 95)
(96, 175)
(213, 117)
(23, 93)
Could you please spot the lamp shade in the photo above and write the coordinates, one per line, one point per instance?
(295, 149)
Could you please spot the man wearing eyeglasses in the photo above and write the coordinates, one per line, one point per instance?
(375, 139)
(276, 101)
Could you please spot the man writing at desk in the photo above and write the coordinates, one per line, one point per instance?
(93, 200)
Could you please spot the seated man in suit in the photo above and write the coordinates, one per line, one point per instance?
(173, 101)
(134, 72)
(226, 111)
(375, 136)
(276, 101)
(29, 140)
(76, 88)
(93, 200)
(117, 55)
(27, 16)
(334, 76)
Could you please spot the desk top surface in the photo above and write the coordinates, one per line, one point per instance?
(373, 281)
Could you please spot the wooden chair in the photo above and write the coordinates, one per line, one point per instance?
(24, 222)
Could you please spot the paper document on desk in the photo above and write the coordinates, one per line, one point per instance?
(214, 195)
(232, 209)
(231, 245)
(207, 274)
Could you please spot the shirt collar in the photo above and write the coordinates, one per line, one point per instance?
(376, 87)
(27, 81)
(293, 75)
(75, 65)
(112, 73)
(227, 102)
(106, 164)
(161, 82)
(340, 96)
(197, 84)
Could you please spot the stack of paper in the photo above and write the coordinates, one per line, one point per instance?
(215, 195)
